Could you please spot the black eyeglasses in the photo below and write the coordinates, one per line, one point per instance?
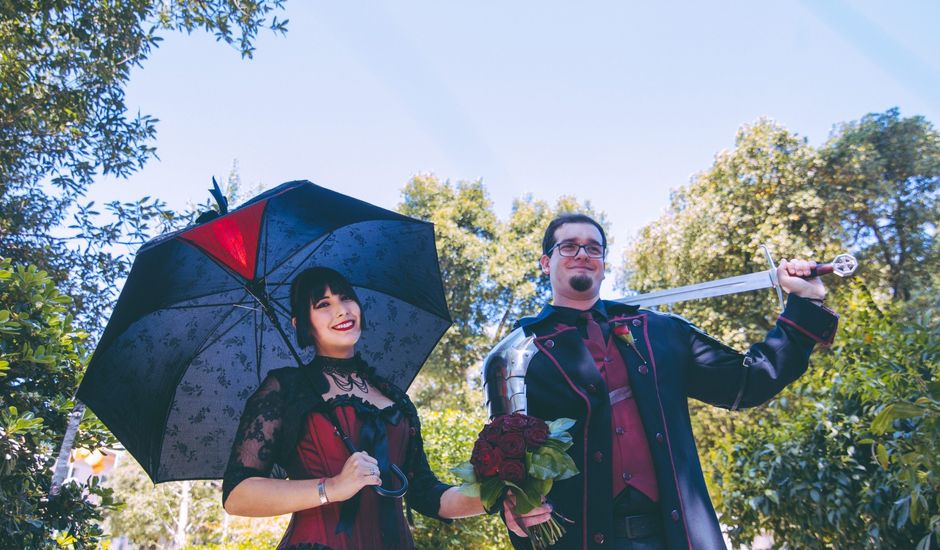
(570, 250)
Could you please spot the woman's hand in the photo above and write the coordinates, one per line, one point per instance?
(360, 470)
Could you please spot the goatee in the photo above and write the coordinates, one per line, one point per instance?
(581, 283)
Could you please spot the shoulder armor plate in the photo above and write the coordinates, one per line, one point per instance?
(504, 372)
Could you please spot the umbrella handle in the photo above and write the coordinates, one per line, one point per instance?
(391, 493)
(396, 493)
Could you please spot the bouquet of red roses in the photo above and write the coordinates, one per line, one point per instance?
(524, 454)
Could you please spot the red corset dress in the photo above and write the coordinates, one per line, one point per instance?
(321, 453)
(283, 432)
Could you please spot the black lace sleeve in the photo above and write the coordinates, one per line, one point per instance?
(255, 442)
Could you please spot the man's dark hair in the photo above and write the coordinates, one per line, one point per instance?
(548, 241)
(307, 288)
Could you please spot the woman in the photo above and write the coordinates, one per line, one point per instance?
(287, 422)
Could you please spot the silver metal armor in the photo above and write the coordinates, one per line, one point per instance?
(504, 372)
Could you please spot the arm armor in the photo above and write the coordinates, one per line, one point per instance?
(504, 372)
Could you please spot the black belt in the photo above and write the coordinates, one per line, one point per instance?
(638, 527)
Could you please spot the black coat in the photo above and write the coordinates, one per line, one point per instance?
(673, 361)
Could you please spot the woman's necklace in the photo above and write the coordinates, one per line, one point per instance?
(345, 379)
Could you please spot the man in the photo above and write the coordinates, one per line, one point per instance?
(626, 375)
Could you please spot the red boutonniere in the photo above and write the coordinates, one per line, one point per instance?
(622, 332)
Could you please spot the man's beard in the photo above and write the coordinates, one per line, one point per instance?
(581, 283)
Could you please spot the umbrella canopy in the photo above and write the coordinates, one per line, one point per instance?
(205, 314)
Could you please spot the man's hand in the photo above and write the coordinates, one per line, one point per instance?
(519, 523)
(790, 273)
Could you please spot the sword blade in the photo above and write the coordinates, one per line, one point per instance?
(721, 287)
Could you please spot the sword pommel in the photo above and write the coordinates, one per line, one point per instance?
(844, 265)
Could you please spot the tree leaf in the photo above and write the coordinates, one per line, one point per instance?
(881, 453)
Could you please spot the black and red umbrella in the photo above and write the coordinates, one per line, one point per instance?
(205, 314)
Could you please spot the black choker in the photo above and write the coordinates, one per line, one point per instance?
(345, 373)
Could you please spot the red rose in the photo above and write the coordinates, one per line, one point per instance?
(512, 470)
(515, 422)
(486, 459)
(491, 434)
(512, 445)
(497, 424)
(535, 436)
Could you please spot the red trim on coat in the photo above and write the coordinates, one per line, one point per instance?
(587, 424)
(801, 330)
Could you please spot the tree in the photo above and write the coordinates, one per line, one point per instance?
(760, 192)
(41, 355)
(63, 70)
(880, 178)
(464, 226)
(449, 434)
(846, 457)
(850, 459)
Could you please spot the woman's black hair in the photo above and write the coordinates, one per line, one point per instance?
(307, 288)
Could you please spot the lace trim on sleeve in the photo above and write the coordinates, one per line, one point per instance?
(254, 448)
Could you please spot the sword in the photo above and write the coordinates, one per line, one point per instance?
(844, 265)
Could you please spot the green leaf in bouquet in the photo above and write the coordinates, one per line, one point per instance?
(539, 465)
(490, 491)
(537, 487)
(560, 425)
(560, 464)
(563, 438)
(470, 489)
(525, 502)
(465, 472)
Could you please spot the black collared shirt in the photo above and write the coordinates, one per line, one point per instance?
(573, 317)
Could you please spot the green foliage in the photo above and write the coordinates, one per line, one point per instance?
(448, 440)
(63, 69)
(810, 467)
(149, 515)
(760, 192)
(880, 177)
(42, 357)
(850, 458)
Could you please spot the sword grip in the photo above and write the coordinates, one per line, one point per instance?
(820, 270)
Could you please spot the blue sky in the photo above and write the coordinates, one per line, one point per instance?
(613, 102)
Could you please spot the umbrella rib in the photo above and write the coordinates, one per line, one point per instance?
(221, 304)
(218, 336)
(290, 276)
(259, 341)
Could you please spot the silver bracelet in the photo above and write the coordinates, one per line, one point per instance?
(321, 489)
